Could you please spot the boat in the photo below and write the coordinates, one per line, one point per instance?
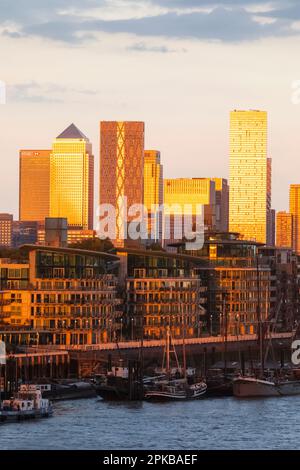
(247, 387)
(176, 390)
(120, 383)
(67, 390)
(183, 387)
(26, 404)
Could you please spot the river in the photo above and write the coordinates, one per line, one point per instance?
(212, 423)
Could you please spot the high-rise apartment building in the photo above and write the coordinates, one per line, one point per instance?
(72, 178)
(6, 223)
(153, 193)
(250, 176)
(284, 229)
(121, 171)
(222, 204)
(34, 185)
(295, 211)
(190, 197)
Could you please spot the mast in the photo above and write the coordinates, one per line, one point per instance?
(168, 350)
(260, 323)
(183, 340)
(225, 333)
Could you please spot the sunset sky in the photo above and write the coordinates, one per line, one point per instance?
(178, 65)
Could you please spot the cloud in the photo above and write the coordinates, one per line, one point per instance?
(34, 92)
(226, 20)
(142, 47)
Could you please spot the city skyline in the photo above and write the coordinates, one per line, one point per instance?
(184, 89)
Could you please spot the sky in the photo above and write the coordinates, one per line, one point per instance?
(178, 65)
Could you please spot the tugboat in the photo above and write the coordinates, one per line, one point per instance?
(26, 404)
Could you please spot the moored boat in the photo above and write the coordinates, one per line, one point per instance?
(26, 404)
(176, 390)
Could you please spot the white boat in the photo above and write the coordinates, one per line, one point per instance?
(26, 404)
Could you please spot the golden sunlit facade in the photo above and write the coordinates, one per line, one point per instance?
(153, 192)
(34, 186)
(284, 229)
(186, 196)
(121, 169)
(72, 179)
(295, 211)
(250, 176)
(6, 229)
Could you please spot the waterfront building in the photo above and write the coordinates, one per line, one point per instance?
(72, 179)
(6, 223)
(295, 211)
(227, 267)
(121, 171)
(161, 290)
(222, 204)
(34, 185)
(184, 196)
(59, 296)
(284, 229)
(153, 194)
(250, 176)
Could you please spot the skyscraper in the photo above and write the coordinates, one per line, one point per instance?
(222, 204)
(284, 229)
(34, 185)
(121, 170)
(295, 211)
(72, 179)
(188, 191)
(153, 193)
(250, 176)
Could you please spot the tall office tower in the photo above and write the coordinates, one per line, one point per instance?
(222, 204)
(187, 191)
(34, 185)
(121, 172)
(153, 193)
(295, 211)
(6, 222)
(250, 176)
(284, 229)
(72, 179)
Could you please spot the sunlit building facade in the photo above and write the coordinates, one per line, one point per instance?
(250, 176)
(153, 193)
(6, 230)
(191, 197)
(34, 185)
(295, 211)
(162, 289)
(284, 229)
(121, 171)
(72, 179)
(60, 296)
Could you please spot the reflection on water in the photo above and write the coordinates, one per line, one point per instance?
(228, 423)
